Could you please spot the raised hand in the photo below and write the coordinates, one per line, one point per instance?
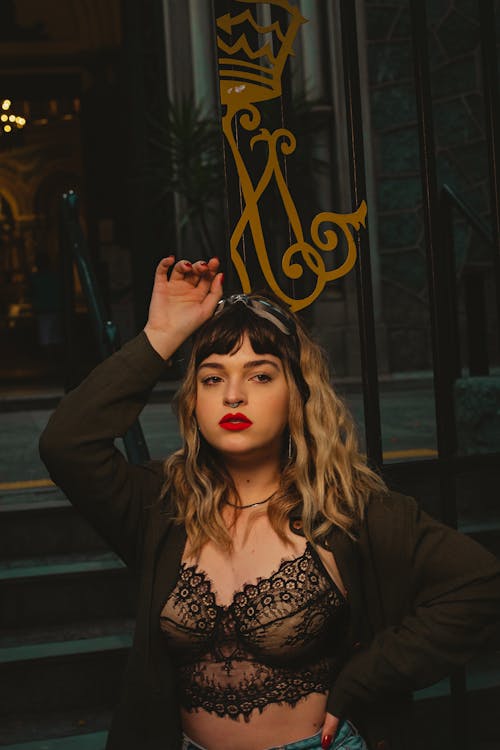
(181, 301)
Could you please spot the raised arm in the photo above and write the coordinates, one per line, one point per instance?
(77, 445)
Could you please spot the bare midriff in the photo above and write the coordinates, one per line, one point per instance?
(276, 725)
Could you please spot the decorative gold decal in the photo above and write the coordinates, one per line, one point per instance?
(248, 77)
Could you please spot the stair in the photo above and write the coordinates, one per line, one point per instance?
(43, 522)
(49, 590)
(432, 708)
(66, 625)
(91, 741)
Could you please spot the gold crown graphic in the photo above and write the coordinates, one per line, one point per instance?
(253, 75)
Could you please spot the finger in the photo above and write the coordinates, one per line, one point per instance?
(215, 293)
(329, 731)
(181, 269)
(207, 273)
(200, 270)
(163, 266)
(214, 263)
(210, 266)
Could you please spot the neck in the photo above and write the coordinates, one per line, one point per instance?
(254, 483)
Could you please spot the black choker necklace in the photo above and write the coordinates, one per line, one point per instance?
(251, 505)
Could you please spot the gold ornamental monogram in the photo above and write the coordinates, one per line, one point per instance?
(247, 78)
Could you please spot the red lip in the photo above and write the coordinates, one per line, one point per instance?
(235, 422)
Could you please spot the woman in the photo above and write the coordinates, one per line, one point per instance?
(283, 591)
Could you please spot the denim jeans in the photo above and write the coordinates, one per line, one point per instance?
(347, 738)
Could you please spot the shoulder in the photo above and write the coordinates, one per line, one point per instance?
(389, 520)
(395, 521)
(390, 501)
(400, 535)
(387, 533)
(390, 510)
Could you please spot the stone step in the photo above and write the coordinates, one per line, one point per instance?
(433, 709)
(62, 675)
(89, 725)
(482, 675)
(43, 522)
(90, 741)
(72, 631)
(64, 588)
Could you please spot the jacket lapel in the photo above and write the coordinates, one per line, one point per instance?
(170, 540)
(347, 556)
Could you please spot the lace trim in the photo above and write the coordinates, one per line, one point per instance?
(271, 644)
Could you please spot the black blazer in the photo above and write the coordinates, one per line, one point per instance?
(423, 598)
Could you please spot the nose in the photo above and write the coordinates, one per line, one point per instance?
(234, 395)
(232, 404)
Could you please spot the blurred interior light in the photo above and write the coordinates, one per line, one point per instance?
(17, 120)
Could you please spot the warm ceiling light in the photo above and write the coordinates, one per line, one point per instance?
(12, 118)
(4, 118)
(6, 104)
(7, 128)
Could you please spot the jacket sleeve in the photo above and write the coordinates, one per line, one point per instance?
(77, 446)
(453, 594)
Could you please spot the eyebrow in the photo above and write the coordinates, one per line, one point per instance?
(247, 366)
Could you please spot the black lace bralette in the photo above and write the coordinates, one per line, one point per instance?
(275, 643)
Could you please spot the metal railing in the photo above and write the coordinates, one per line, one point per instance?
(74, 250)
(474, 277)
(441, 281)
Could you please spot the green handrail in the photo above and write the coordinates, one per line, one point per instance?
(74, 246)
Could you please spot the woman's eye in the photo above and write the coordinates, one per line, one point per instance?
(262, 377)
(211, 379)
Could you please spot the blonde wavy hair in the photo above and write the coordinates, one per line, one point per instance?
(326, 476)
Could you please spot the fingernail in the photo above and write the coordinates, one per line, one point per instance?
(222, 278)
(188, 264)
(203, 263)
(326, 741)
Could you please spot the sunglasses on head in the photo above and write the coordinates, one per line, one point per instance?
(263, 309)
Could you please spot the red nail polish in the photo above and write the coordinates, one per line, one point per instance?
(222, 278)
(188, 264)
(326, 741)
(203, 263)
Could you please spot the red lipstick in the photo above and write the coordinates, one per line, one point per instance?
(235, 422)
